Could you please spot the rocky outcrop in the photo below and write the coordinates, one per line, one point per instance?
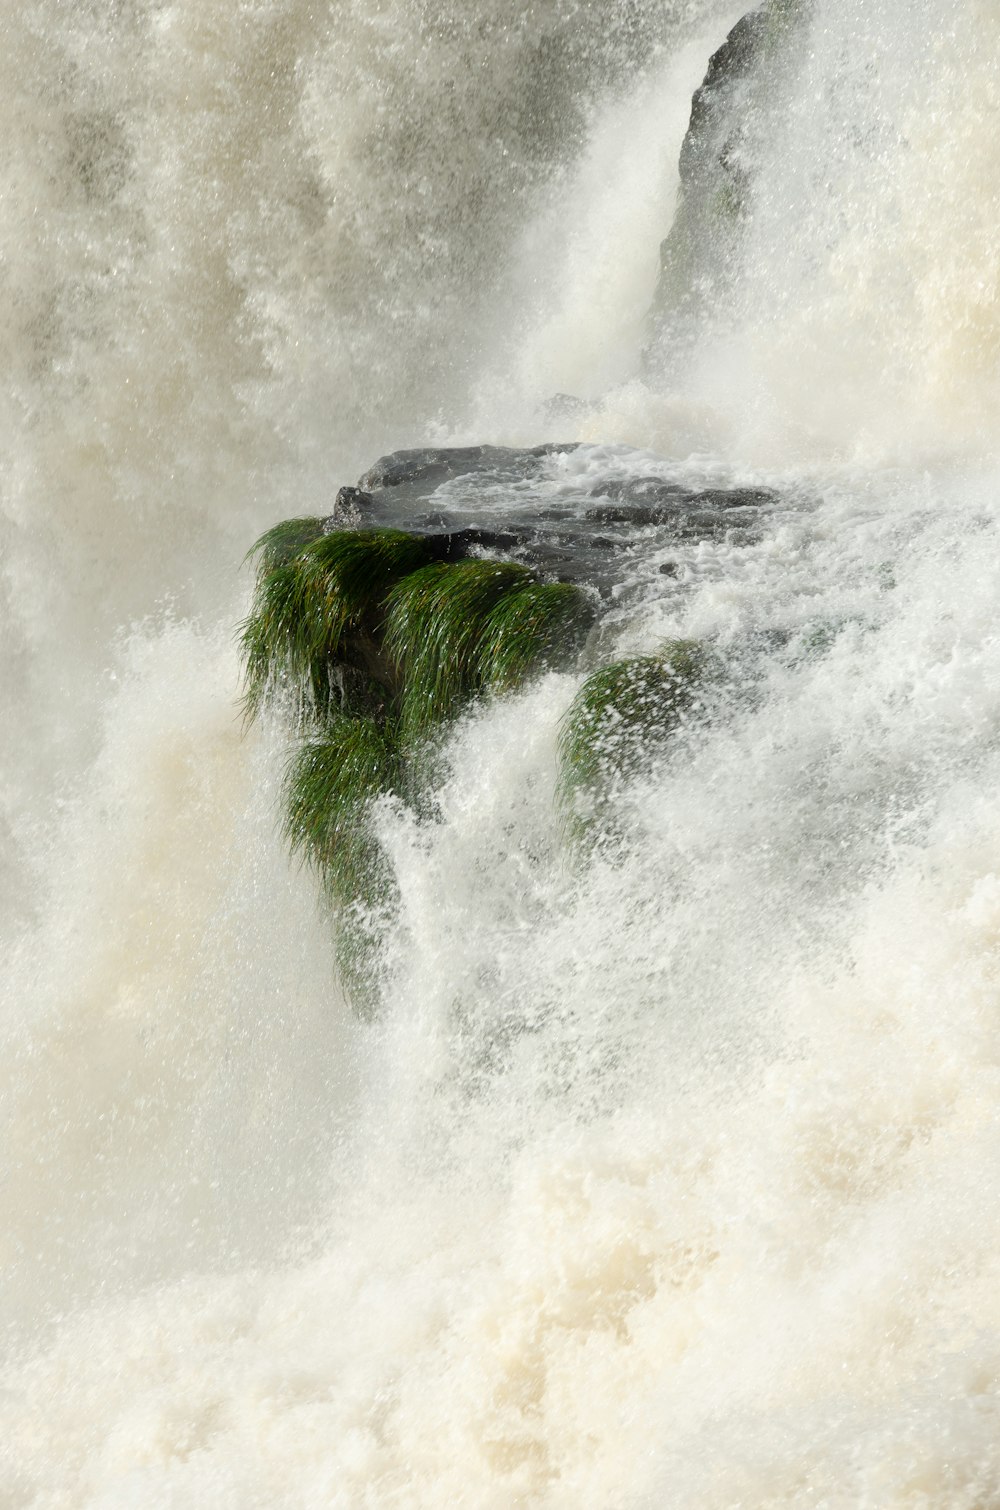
(445, 575)
(700, 257)
(472, 500)
(441, 577)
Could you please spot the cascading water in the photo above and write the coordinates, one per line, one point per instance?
(663, 1179)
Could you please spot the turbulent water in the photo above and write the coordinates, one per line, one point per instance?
(665, 1180)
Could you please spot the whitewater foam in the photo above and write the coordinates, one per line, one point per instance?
(663, 1180)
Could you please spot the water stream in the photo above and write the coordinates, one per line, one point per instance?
(662, 1180)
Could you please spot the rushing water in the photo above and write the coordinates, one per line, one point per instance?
(667, 1180)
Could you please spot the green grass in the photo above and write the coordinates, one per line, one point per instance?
(434, 624)
(275, 641)
(622, 715)
(281, 542)
(303, 606)
(329, 787)
(350, 571)
(378, 646)
(458, 630)
(537, 622)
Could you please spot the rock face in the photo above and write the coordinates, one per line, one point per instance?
(729, 118)
(477, 500)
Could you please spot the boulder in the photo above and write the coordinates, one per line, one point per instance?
(488, 500)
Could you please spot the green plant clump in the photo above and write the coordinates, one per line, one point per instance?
(375, 644)
(328, 786)
(620, 716)
(283, 541)
(472, 627)
(315, 605)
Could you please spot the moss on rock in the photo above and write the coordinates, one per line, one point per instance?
(375, 644)
(621, 715)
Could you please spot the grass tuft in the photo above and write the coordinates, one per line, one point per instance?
(434, 625)
(273, 638)
(303, 606)
(537, 622)
(350, 571)
(621, 715)
(474, 626)
(281, 542)
(329, 787)
(380, 644)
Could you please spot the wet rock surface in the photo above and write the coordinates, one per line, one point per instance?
(428, 465)
(497, 500)
(732, 115)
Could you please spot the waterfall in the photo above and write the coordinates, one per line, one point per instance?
(662, 1176)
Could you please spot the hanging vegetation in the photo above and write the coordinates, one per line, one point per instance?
(622, 714)
(374, 643)
(319, 606)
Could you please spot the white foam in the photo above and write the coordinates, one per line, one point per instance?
(665, 1178)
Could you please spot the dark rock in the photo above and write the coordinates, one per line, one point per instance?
(555, 448)
(632, 513)
(459, 545)
(671, 504)
(652, 490)
(730, 118)
(353, 689)
(731, 64)
(349, 506)
(498, 502)
(430, 464)
(423, 465)
(735, 498)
